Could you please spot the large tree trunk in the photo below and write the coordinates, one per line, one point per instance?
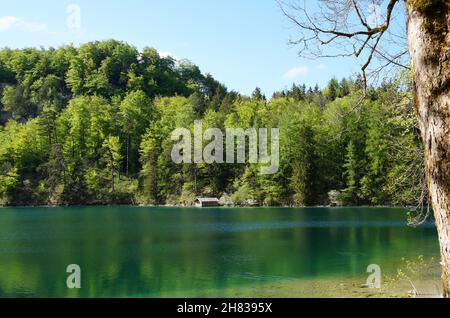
(429, 46)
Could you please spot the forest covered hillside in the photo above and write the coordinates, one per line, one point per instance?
(92, 125)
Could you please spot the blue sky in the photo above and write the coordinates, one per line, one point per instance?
(242, 43)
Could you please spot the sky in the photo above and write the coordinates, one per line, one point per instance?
(242, 43)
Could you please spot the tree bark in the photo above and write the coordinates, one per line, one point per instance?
(112, 180)
(428, 23)
(128, 156)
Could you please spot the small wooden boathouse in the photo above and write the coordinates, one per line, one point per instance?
(206, 202)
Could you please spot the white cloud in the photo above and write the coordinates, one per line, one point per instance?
(167, 54)
(7, 22)
(12, 22)
(294, 72)
(321, 66)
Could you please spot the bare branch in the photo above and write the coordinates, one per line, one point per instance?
(363, 20)
(334, 23)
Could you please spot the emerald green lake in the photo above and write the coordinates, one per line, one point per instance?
(162, 252)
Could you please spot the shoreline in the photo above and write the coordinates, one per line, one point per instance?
(346, 287)
(221, 207)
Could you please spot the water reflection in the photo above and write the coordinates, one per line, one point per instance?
(153, 252)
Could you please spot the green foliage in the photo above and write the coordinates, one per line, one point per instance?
(8, 180)
(149, 152)
(351, 173)
(92, 125)
(332, 90)
(135, 113)
(112, 157)
(15, 102)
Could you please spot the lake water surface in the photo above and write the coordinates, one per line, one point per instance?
(159, 252)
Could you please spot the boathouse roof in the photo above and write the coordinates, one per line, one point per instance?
(207, 200)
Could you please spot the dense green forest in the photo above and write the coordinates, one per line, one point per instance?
(92, 125)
